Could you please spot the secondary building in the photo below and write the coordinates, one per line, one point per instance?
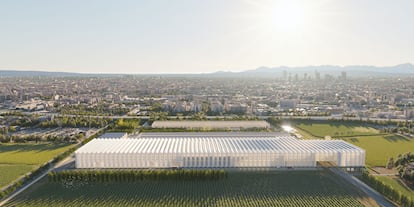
(216, 150)
(232, 125)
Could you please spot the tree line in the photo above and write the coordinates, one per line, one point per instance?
(135, 175)
(75, 122)
(102, 109)
(387, 190)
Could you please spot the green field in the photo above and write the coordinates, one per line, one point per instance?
(283, 188)
(19, 159)
(8, 172)
(394, 183)
(335, 129)
(380, 148)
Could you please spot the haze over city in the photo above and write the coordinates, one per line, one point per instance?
(185, 36)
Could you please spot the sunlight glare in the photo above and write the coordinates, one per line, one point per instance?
(288, 128)
(288, 16)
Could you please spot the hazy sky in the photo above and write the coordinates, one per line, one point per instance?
(196, 36)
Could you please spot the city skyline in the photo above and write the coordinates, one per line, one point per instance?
(202, 37)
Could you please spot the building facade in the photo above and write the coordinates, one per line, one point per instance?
(216, 150)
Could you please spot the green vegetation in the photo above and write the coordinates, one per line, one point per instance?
(75, 122)
(321, 129)
(135, 175)
(403, 165)
(125, 125)
(293, 188)
(380, 148)
(390, 189)
(10, 172)
(101, 109)
(62, 152)
(31, 154)
(19, 159)
(395, 183)
(16, 118)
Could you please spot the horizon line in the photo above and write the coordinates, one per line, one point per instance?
(200, 73)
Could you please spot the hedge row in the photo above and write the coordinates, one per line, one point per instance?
(134, 175)
(387, 190)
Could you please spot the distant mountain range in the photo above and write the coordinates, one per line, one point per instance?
(19, 73)
(353, 71)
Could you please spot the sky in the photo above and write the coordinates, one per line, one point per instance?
(202, 36)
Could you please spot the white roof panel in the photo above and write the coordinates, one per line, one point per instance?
(210, 143)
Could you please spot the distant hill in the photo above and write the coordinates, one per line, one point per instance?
(19, 73)
(15, 73)
(352, 71)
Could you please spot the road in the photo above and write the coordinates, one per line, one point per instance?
(380, 199)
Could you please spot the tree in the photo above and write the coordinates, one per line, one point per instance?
(390, 163)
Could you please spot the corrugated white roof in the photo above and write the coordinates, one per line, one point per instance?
(211, 124)
(210, 143)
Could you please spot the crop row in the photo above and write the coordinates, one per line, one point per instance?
(311, 188)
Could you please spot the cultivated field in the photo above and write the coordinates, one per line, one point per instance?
(380, 148)
(283, 188)
(335, 129)
(19, 159)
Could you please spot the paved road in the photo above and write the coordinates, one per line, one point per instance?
(380, 199)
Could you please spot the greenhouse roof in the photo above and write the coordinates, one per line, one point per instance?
(211, 124)
(212, 143)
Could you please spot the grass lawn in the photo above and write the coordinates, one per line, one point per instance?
(9, 172)
(380, 148)
(335, 129)
(396, 185)
(283, 188)
(19, 159)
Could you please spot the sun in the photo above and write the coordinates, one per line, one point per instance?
(285, 22)
(288, 16)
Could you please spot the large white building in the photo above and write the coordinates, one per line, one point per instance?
(216, 150)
